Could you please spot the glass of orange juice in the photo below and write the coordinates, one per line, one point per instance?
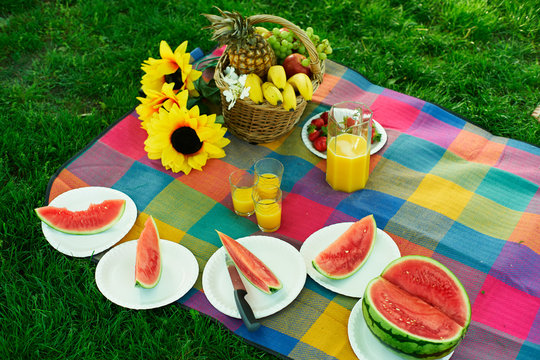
(242, 182)
(269, 172)
(267, 202)
(348, 146)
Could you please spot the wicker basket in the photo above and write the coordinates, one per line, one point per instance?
(263, 123)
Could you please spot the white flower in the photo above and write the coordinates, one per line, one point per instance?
(237, 88)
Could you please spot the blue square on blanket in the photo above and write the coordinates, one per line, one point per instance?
(415, 153)
(225, 220)
(443, 115)
(528, 351)
(269, 338)
(507, 189)
(142, 184)
(470, 247)
(366, 202)
(361, 82)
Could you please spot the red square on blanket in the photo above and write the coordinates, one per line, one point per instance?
(394, 114)
(127, 137)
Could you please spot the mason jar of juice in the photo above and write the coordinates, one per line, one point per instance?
(348, 146)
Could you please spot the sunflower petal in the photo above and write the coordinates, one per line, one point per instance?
(165, 50)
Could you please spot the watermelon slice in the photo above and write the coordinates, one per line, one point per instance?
(417, 307)
(349, 251)
(253, 269)
(148, 258)
(97, 218)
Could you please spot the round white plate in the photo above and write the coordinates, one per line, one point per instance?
(115, 276)
(365, 345)
(374, 147)
(384, 251)
(87, 245)
(282, 258)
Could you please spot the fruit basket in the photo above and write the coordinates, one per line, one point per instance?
(263, 123)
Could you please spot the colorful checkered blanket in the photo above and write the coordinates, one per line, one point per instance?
(440, 187)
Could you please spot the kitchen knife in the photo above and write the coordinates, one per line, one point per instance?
(239, 296)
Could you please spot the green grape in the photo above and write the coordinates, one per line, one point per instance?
(320, 48)
(275, 31)
(316, 39)
(295, 45)
(284, 34)
(309, 31)
(328, 49)
(302, 49)
(305, 62)
(284, 43)
(322, 56)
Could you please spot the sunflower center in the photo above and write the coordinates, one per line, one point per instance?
(176, 78)
(185, 140)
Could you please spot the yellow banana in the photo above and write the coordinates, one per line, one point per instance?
(264, 32)
(254, 82)
(276, 74)
(289, 97)
(302, 83)
(272, 94)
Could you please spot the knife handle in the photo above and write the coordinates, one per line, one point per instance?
(245, 310)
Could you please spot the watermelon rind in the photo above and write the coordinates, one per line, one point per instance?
(41, 213)
(236, 251)
(373, 226)
(152, 242)
(401, 341)
(450, 274)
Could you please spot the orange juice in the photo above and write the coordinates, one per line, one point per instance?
(266, 185)
(242, 201)
(268, 213)
(347, 164)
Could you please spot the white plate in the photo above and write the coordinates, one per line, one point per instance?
(282, 258)
(384, 251)
(87, 245)
(115, 276)
(365, 345)
(374, 147)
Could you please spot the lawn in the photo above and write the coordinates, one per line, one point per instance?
(69, 69)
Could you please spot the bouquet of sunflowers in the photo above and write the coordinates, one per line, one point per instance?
(170, 112)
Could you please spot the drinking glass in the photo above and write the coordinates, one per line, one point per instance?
(269, 172)
(267, 202)
(348, 146)
(242, 182)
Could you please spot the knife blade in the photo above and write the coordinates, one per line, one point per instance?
(246, 313)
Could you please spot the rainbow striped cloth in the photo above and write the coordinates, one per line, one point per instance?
(440, 187)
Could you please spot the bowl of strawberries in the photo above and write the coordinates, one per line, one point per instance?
(315, 131)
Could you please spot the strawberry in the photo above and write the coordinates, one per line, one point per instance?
(349, 121)
(324, 116)
(318, 122)
(314, 135)
(320, 144)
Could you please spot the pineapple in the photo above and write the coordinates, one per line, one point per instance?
(248, 52)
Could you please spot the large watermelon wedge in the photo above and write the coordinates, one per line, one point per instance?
(417, 307)
(249, 265)
(95, 219)
(346, 255)
(148, 256)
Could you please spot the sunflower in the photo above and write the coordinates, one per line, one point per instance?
(183, 139)
(171, 68)
(154, 100)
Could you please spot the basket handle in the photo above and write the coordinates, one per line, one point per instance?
(315, 63)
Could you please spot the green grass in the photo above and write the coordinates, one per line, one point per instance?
(68, 69)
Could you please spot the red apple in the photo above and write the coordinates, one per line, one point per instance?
(293, 64)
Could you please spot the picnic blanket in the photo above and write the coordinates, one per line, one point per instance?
(440, 187)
